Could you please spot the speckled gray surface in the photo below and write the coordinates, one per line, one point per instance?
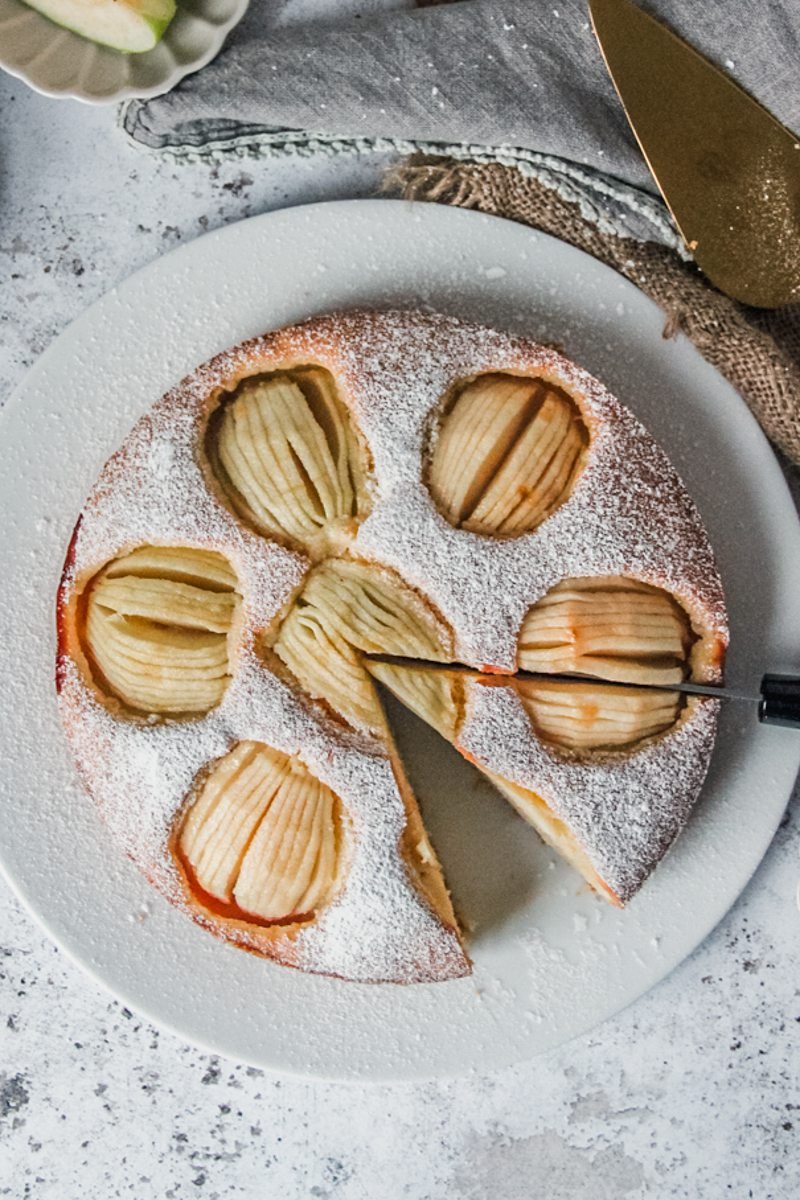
(693, 1092)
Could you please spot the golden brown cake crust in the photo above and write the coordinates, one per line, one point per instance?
(628, 514)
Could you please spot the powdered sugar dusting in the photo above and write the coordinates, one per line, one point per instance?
(628, 514)
(625, 809)
(154, 491)
(378, 928)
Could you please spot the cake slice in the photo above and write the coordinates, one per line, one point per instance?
(586, 764)
(349, 608)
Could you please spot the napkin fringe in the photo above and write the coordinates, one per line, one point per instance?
(614, 206)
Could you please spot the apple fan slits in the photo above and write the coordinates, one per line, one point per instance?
(609, 627)
(507, 454)
(289, 461)
(264, 835)
(156, 629)
(348, 608)
(587, 717)
(435, 696)
(382, 483)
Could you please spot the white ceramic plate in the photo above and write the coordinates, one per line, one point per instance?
(59, 63)
(551, 960)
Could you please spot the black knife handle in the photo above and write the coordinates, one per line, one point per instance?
(780, 700)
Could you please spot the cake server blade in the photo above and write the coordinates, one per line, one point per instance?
(727, 169)
(778, 698)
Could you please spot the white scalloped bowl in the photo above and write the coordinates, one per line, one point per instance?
(58, 63)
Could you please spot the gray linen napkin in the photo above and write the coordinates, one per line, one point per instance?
(506, 78)
(501, 84)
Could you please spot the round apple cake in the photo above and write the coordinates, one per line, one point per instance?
(399, 484)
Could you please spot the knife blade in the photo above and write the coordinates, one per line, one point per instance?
(778, 697)
(727, 169)
(688, 689)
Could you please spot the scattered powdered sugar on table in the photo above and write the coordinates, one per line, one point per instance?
(542, 960)
(628, 514)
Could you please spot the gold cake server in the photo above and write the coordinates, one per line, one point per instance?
(727, 169)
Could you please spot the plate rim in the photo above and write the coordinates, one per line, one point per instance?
(12, 405)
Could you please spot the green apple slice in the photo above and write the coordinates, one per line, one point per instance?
(131, 26)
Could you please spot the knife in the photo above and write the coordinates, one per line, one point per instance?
(778, 698)
(727, 169)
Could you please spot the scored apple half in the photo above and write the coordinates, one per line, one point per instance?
(263, 841)
(155, 629)
(132, 26)
(287, 457)
(346, 609)
(590, 718)
(507, 454)
(608, 627)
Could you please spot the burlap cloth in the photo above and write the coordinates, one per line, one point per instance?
(757, 350)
